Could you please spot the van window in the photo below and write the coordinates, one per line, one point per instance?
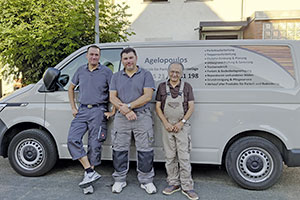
(227, 67)
(109, 58)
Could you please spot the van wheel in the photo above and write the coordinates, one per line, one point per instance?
(32, 152)
(254, 163)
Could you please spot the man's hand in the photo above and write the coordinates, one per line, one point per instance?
(177, 127)
(74, 112)
(123, 108)
(131, 116)
(168, 127)
(109, 114)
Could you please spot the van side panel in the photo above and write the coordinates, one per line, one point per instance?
(238, 87)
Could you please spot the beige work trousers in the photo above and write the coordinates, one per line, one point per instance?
(177, 146)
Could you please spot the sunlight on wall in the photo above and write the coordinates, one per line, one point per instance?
(178, 19)
(137, 7)
(229, 10)
(250, 6)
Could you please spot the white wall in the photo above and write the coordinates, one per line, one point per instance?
(7, 82)
(177, 19)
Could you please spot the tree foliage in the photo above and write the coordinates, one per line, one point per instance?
(37, 34)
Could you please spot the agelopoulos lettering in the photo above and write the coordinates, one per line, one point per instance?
(158, 60)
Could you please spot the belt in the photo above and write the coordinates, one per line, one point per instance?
(91, 105)
(143, 111)
(139, 111)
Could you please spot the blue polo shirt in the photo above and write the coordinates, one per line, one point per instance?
(131, 88)
(93, 85)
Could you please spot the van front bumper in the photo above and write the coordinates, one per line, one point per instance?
(292, 158)
(3, 129)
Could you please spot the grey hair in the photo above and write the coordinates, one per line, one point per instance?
(178, 63)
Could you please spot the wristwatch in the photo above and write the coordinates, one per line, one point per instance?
(183, 121)
(129, 106)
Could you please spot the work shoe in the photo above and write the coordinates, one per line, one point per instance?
(171, 189)
(88, 190)
(149, 187)
(89, 178)
(118, 187)
(191, 194)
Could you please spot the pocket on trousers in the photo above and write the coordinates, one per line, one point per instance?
(189, 143)
(113, 137)
(102, 133)
(150, 135)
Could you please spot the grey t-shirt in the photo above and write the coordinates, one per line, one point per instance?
(131, 88)
(93, 85)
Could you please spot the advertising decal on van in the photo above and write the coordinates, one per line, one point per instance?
(227, 67)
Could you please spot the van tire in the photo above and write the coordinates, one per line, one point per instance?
(32, 152)
(254, 163)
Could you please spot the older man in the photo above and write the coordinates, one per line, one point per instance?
(174, 106)
(130, 92)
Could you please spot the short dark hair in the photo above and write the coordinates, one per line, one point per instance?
(93, 46)
(178, 63)
(128, 50)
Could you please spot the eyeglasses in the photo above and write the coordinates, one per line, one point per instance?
(175, 72)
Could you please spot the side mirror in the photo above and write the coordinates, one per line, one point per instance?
(50, 78)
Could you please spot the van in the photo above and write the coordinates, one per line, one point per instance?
(247, 107)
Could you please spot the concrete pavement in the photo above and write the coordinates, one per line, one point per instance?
(211, 182)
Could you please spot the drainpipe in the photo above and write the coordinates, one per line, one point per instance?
(242, 11)
(97, 34)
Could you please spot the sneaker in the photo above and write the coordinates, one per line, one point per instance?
(149, 187)
(118, 187)
(171, 189)
(191, 194)
(88, 190)
(89, 178)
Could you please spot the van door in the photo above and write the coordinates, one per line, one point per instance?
(58, 114)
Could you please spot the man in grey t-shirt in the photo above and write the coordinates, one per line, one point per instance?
(130, 92)
(93, 80)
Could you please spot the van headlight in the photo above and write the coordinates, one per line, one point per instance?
(2, 106)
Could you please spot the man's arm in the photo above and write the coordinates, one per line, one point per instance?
(162, 117)
(111, 113)
(113, 98)
(190, 111)
(71, 99)
(142, 100)
(178, 126)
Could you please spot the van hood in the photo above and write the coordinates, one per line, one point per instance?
(16, 93)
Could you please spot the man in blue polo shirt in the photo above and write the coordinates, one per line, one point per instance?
(130, 92)
(93, 80)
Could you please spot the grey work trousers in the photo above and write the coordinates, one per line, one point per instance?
(142, 130)
(93, 120)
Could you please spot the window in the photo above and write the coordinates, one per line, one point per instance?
(281, 30)
(230, 35)
(109, 58)
(221, 37)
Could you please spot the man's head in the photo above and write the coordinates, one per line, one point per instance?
(93, 55)
(175, 71)
(129, 58)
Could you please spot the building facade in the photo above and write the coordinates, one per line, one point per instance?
(166, 20)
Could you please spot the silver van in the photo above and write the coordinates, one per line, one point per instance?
(247, 107)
